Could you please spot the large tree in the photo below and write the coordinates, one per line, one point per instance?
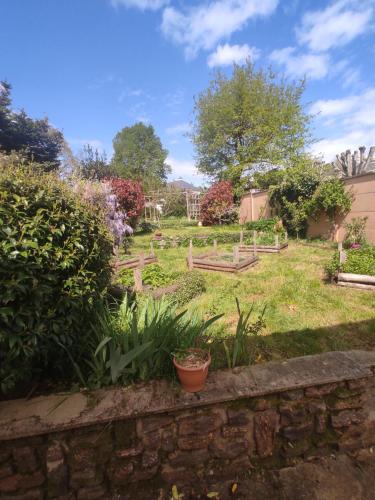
(139, 155)
(248, 122)
(35, 139)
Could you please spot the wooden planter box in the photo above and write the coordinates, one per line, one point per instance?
(362, 281)
(263, 248)
(211, 261)
(136, 262)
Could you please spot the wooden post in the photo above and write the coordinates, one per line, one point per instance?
(286, 236)
(215, 246)
(276, 240)
(339, 246)
(190, 255)
(138, 286)
(236, 254)
(254, 243)
(174, 243)
(241, 237)
(141, 260)
(152, 252)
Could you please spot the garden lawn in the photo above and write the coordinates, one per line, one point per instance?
(305, 314)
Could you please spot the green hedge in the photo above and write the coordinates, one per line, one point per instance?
(54, 265)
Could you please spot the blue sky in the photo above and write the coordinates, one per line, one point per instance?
(95, 66)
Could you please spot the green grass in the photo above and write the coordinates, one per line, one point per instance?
(305, 314)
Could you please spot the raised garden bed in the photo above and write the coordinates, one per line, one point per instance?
(258, 246)
(352, 280)
(136, 261)
(224, 262)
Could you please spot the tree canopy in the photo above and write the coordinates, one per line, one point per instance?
(139, 155)
(247, 122)
(37, 140)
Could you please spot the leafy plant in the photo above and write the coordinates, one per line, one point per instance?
(192, 284)
(136, 344)
(262, 224)
(236, 348)
(331, 198)
(153, 275)
(358, 261)
(356, 231)
(54, 266)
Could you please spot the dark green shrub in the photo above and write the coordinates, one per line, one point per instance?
(54, 265)
(192, 284)
(146, 227)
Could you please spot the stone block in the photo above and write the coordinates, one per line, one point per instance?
(82, 458)
(296, 432)
(295, 395)
(228, 449)
(5, 471)
(92, 493)
(321, 390)
(150, 458)
(122, 474)
(358, 384)
(151, 424)
(25, 459)
(292, 413)
(239, 417)
(178, 476)
(320, 423)
(188, 458)
(266, 425)
(194, 442)
(130, 452)
(144, 474)
(81, 478)
(35, 494)
(168, 440)
(346, 418)
(199, 424)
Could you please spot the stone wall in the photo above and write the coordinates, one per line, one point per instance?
(137, 442)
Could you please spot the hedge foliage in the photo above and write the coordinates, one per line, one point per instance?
(54, 265)
(217, 203)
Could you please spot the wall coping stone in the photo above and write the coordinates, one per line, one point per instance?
(63, 411)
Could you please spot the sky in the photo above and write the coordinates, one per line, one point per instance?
(96, 66)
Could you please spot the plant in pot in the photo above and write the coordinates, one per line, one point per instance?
(191, 362)
(192, 368)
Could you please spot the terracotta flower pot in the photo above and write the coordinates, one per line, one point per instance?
(193, 379)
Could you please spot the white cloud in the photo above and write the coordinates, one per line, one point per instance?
(141, 4)
(227, 54)
(336, 25)
(201, 27)
(314, 66)
(353, 120)
(180, 128)
(185, 169)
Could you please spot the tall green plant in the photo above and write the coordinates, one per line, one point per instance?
(137, 341)
(238, 348)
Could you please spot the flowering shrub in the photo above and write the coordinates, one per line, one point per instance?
(101, 197)
(130, 197)
(217, 203)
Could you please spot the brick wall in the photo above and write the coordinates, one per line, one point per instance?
(137, 442)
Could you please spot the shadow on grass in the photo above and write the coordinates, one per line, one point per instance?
(284, 345)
